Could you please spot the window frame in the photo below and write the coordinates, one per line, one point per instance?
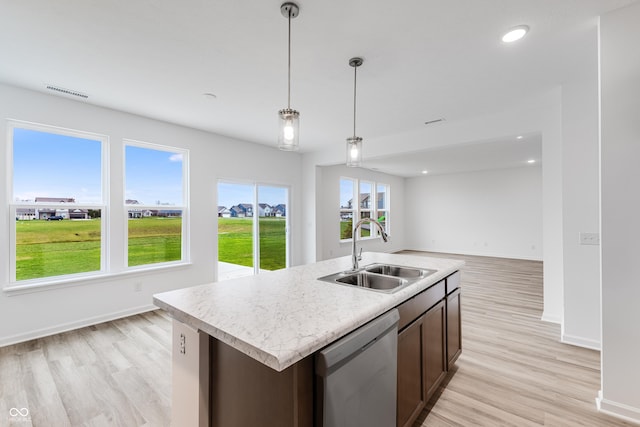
(14, 205)
(373, 209)
(185, 253)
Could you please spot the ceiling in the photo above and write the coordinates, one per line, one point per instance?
(423, 60)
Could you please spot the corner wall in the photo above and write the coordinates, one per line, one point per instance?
(581, 203)
(620, 205)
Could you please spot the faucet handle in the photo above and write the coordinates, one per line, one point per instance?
(360, 255)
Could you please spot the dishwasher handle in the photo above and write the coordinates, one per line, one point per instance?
(341, 351)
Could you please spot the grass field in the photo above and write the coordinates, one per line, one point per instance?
(55, 248)
(235, 240)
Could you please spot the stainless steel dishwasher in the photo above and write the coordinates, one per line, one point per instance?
(357, 376)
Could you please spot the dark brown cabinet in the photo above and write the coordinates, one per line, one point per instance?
(411, 390)
(454, 333)
(421, 351)
(429, 342)
(435, 356)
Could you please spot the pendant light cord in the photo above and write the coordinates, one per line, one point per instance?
(355, 81)
(289, 66)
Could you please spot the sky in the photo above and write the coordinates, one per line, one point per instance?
(230, 194)
(53, 165)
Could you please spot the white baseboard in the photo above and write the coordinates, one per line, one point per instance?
(478, 253)
(618, 410)
(551, 318)
(64, 327)
(581, 342)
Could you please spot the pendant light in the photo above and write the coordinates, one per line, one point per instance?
(289, 120)
(354, 144)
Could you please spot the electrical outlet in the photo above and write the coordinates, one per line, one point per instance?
(183, 344)
(589, 238)
(137, 286)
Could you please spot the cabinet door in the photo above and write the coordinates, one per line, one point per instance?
(454, 331)
(435, 355)
(411, 390)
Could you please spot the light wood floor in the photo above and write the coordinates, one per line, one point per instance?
(113, 374)
(513, 370)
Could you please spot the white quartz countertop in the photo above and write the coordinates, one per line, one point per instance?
(280, 317)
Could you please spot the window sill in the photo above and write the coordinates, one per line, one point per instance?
(39, 286)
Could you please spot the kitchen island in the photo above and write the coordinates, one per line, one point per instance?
(267, 327)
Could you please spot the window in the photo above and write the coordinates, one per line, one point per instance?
(155, 203)
(371, 201)
(251, 239)
(57, 199)
(347, 208)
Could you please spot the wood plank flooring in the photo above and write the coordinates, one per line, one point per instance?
(112, 374)
(513, 370)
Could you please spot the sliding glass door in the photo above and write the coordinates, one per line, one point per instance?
(252, 229)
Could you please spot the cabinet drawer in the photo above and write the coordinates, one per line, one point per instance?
(411, 309)
(453, 282)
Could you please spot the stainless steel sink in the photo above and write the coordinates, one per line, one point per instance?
(372, 281)
(398, 271)
(379, 277)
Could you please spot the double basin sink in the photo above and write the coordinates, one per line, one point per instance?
(379, 277)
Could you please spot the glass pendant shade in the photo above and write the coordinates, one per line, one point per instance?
(289, 133)
(354, 151)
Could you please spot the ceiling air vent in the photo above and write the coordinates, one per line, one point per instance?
(67, 91)
(430, 122)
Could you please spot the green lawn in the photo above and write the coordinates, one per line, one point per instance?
(154, 239)
(55, 248)
(235, 239)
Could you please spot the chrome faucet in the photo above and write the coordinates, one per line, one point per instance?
(355, 257)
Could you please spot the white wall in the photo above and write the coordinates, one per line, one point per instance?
(581, 201)
(620, 208)
(490, 213)
(89, 301)
(328, 204)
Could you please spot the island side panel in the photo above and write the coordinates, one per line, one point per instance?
(244, 392)
(190, 377)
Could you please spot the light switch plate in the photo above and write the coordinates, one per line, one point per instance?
(589, 238)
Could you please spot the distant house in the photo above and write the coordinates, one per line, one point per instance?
(25, 214)
(55, 200)
(242, 210)
(223, 212)
(248, 208)
(45, 213)
(132, 212)
(264, 209)
(279, 210)
(78, 213)
(169, 213)
(365, 201)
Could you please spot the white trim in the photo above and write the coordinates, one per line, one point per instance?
(580, 342)
(618, 410)
(64, 327)
(86, 278)
(185, 253)
(551, 318)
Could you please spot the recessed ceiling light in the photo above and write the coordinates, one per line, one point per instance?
(515, 33)
(209, 95)
(519, 137)
(425, 172)
(531, 161)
